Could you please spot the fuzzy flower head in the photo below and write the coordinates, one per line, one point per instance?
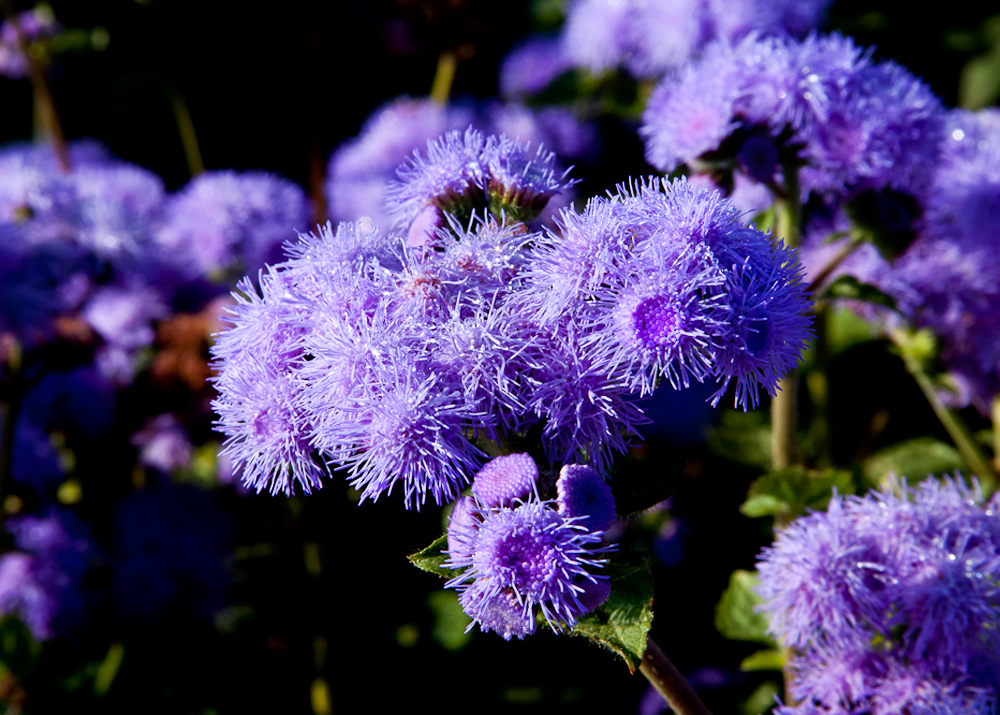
(466, 173)
(504, 479)
(226, 224)
(520, 552)
(854, 124)
(525, 557)
(898, 584)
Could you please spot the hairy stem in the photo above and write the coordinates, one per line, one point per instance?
(669, 682)
(784, 412)
(950, 419)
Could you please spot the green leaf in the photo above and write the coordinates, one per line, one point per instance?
(849, 287)
(914, 458)
(743, 437)
(786, 493)
(449, 620)
(622, 623)
(432, 558)
(19, 651)
(762, 699)
(108, 669)
(768, 659)
(735, 617)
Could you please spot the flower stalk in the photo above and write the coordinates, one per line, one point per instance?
(668, 681)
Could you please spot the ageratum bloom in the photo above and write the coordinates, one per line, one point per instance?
(891, 601)
(853, 124)
(524, 555)
(662, 282)
(465, 174)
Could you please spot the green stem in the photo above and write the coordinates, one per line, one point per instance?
(185, 127)
(950, 419)
(668, 681)
(444, 77)
(784, 411)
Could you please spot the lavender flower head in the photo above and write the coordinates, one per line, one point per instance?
(854, 124)
(892, 600)
(666, 284)
(226, 224)
(362, 168)
(463, 174)
(524, 555)
(651, 38)
(36, 25)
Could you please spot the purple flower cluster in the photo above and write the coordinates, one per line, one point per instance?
(891, 602)
(746, 111)
(106, 243)
(948, 278)
(523, 556)
(662, 282)
(361, 170)
(653, 37)
(388, 358)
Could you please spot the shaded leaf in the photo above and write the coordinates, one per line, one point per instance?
(768, 659)
(788, 492)
(914, 459)
(762, 699)
(849, 287)
(743, 437)
(622, 623)
(432, 558)
(735, 617)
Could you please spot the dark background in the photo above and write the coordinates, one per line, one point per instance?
(277, 87)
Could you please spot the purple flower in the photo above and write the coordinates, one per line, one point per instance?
(892, 600)
(362, 168)
(163, 444)
(504, 479)
(584, 493)
(522, 557)
(855, 124)
(226, 224)
(531, 66)
(41, 583)
(36, 25)
(463, 174)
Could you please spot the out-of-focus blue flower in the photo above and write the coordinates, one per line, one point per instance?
(855, 124)
(42, 582)
(531, 66)
(226, 224)
(35, 25)
(163, 444)
(653, 37)
(892, 600)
